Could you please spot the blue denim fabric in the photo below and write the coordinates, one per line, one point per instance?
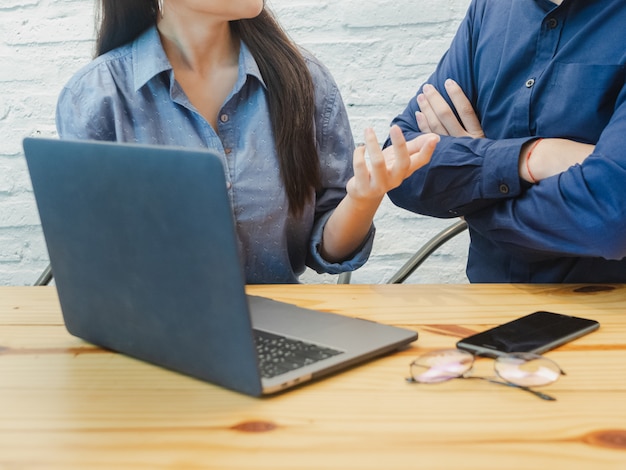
(130, 95)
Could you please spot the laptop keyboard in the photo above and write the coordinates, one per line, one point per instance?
(279, 354)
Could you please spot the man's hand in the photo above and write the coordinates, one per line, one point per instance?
(437, 116)
(549, 157)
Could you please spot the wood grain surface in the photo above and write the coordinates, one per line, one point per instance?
(65, 404)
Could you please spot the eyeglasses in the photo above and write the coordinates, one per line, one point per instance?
(519, 370)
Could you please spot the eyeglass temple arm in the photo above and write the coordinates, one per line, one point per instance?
(543, 396)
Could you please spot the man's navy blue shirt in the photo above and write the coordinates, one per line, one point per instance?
(532, 69)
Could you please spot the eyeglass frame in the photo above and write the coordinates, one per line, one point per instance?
(523, 355)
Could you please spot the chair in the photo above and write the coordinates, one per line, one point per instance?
(399, 277)
(420, 255)
(45, 277)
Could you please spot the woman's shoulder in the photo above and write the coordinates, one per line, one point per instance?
(102, 69)
(138, 59)
(323, 79)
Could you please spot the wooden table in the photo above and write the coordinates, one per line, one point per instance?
(65, 404)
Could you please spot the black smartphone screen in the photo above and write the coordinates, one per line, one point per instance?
(537, 332)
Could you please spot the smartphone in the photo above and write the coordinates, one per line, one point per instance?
(537, 332)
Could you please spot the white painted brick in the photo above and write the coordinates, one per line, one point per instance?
(378, 51)
(19, 211)
(389, 13)
(8, 6)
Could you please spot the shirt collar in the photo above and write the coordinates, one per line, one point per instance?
(547, 5)
(248, 66)
(150, 60)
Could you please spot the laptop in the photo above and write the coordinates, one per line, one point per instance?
(143, 249)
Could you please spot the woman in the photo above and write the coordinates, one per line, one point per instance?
(222, 74)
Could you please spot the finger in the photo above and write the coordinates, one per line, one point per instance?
(433, 123)
(418, 159)
(415, 145)
(397, 139)
(401, 162)
(376, 157)
(464, 108)
(359, 164)
(443, 111)
(422, 122)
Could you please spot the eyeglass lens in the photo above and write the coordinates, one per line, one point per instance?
(529, 370)
(442, 365)
(525, 369)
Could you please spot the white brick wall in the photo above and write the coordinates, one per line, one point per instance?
(379, 52)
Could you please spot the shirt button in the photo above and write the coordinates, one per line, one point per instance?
(504, 189)
(228, 151)
(224, 118)
(229, 185)
(530, 82)
(552, 23)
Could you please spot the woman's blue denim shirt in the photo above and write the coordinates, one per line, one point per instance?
(130, 95)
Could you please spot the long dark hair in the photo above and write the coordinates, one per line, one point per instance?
(290, 86)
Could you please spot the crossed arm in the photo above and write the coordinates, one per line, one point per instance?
(348, 226)
(550, 156)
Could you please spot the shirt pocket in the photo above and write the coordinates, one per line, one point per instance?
(585, 95)
(606, 78)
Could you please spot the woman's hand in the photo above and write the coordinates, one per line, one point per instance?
(352, 219)
(389, 167)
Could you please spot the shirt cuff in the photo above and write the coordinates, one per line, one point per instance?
(501, 178)
(320, 265)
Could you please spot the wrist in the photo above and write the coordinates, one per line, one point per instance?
(525, 170)
(362, 204)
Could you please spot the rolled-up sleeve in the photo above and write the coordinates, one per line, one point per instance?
(335, 148)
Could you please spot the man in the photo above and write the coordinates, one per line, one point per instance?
(530, 103)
